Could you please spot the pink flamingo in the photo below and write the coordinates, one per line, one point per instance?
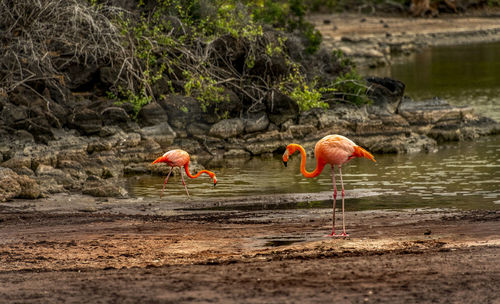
(335, 150)
(180, 158)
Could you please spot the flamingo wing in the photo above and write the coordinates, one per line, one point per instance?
(334, 149)
(176, 158)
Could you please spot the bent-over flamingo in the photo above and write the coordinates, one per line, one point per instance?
(335, 150)
(180, 158)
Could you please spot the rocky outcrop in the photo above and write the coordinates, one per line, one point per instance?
(13, 185)
(101, 143)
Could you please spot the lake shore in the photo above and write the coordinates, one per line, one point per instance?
(382, 39)
(261, 256)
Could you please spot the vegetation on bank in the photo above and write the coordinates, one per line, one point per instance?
(201, 48)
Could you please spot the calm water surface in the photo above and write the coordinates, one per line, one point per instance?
(462, 75)
(461, 175)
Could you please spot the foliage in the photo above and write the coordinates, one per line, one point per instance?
(289, 16)
(306, 95)
(201, 48)
(352, 88)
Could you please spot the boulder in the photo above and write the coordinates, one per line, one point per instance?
(9, 186)
(227, 128)
(152, 114)
(280, 107)
(256, 122)
(400, 143)
(114, 116)
(29, 187)
(57, 175)
(386, 93)
(103, 188)
(181, 110)
(197, 128)
(12, 114)
(161, 133)
(86, 121)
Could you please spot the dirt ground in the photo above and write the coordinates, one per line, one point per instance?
(381, 40)
(353, 25)
(51, 252)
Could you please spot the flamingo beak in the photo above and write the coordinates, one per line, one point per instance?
(285, 157)
(159, 159)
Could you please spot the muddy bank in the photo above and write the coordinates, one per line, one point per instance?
(247, 256)
(380, 40)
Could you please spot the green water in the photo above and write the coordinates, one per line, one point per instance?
(462, 175)
(462, 75)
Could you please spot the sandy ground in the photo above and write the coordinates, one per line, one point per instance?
(334, 26)
(380, 40)
(51, 254)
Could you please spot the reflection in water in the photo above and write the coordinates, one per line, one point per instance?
(462, 175)
(462, 75)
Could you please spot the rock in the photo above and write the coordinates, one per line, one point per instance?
(114, 116)
(11, 113)
(227, 128)
(401, 143)
(147, 150)
(9, 186)
(426, 111)
(386, 93)
(181, 110)
(280, 107)
(300, 131)
(101, 188)
(230, 104)
(60, 177)
(29, 187)
(38, 126)
(190, 145)
(267, 142)
(256, 122)
(236, 153)
(101, 145)
(152, 114)
(197, 128)
(161, 133)
(382, 125)
(19, 160)
(86, 121)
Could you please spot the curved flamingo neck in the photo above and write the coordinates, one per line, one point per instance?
(186, 168)
(319, 164)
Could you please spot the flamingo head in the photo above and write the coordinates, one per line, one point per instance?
(214, 178)
(161, 159)
(290, 149)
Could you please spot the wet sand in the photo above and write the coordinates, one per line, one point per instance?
(58, 251)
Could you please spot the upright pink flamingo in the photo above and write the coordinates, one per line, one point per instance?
(180, 158)
(335, 150)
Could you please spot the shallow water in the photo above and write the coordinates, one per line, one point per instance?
(462, 75)
(462, 175)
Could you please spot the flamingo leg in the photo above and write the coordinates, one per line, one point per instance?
(166, 180)
(184, 183)
(334, 201)
(343, 194)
